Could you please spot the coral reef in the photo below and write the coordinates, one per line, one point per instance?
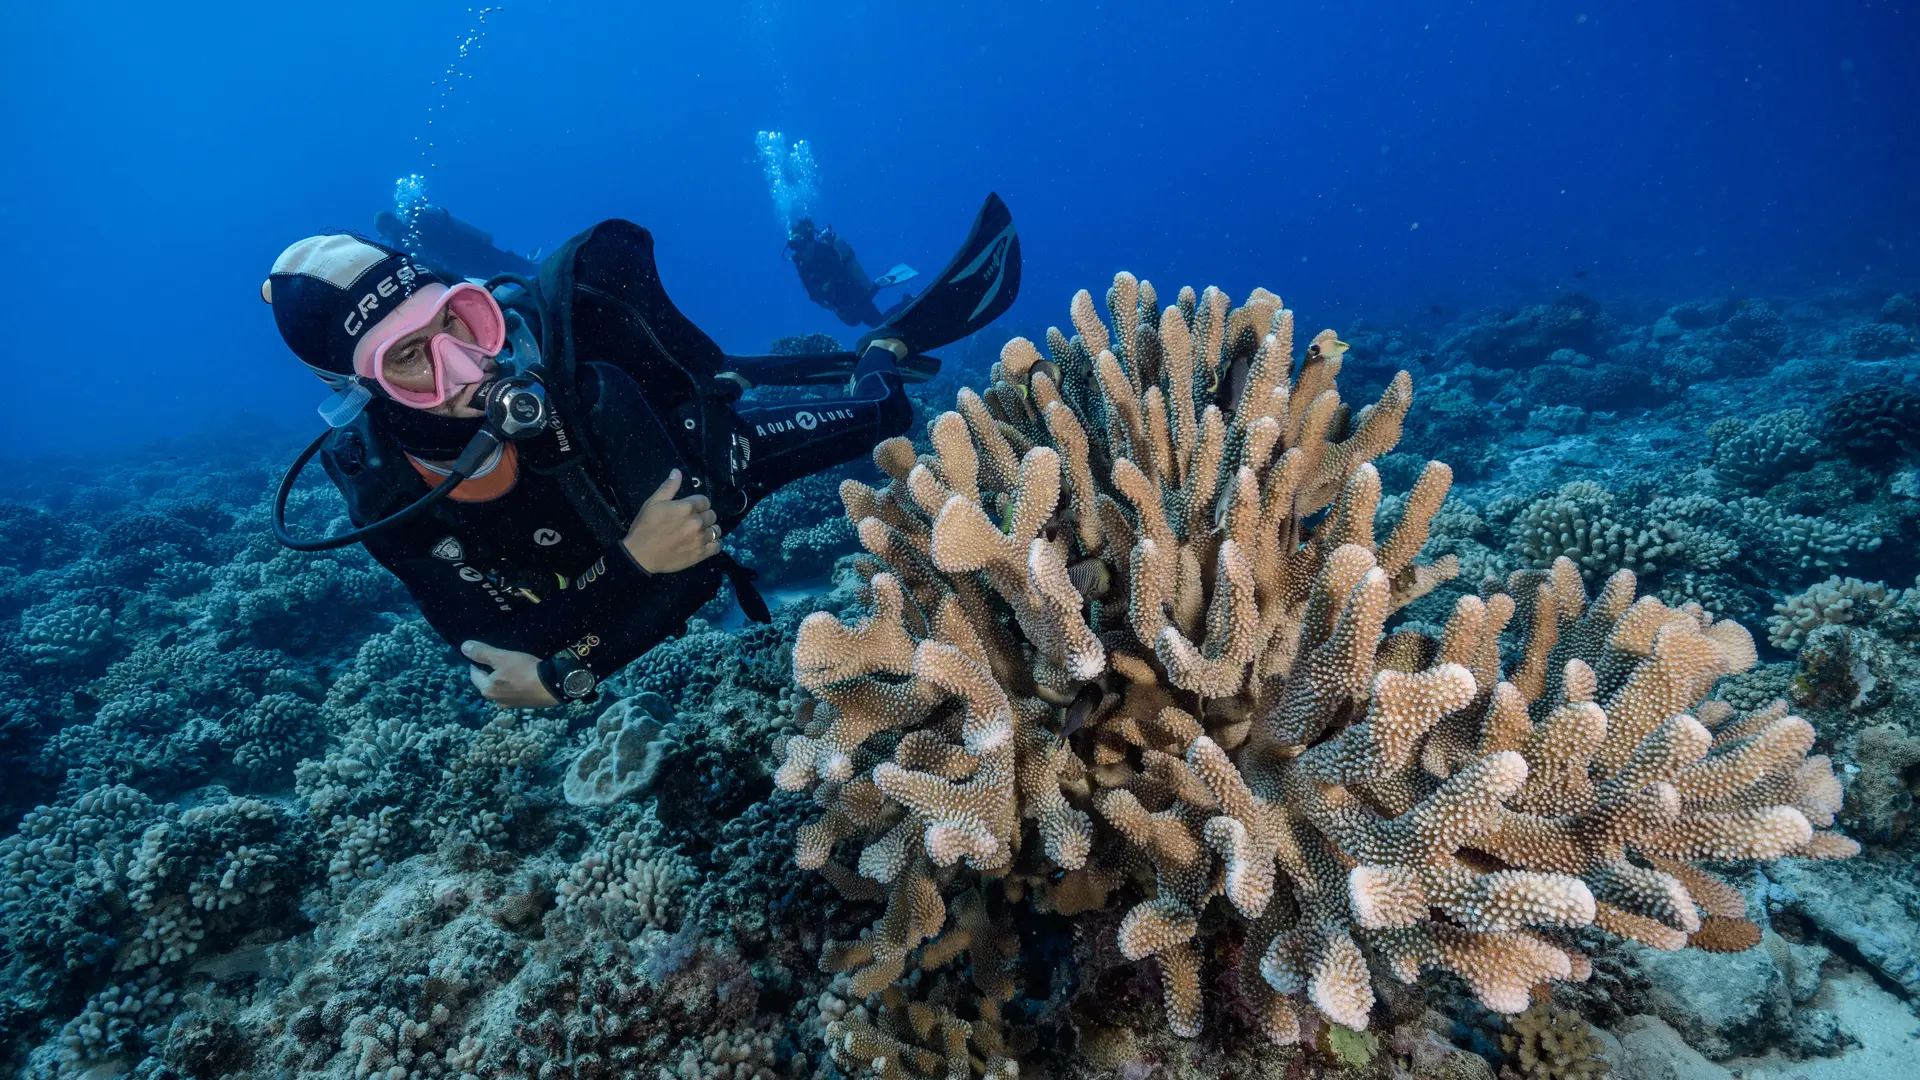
(1879, 341)
(623, 887)
(1876, 425)
(258, 824)
(1127, 646)
(793, 534)
(625, 755)
(1834, 602)
(1581, 523)
(1533, 334)
(1762, 453)
(1547, 1043)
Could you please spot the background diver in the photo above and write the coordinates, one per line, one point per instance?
(549, 467)
(449, 245)
(834, 278)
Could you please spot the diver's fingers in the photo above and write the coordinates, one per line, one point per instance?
(482, 653)
(706, 517)
(697, 503)
(667, 489)
(482, 681)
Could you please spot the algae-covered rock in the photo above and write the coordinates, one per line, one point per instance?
(1880, 798)
(1722, 1004)
(1650, 1050)
(1872, 906)
(1356, 1048)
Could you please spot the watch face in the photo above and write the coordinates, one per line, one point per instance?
(577, 682)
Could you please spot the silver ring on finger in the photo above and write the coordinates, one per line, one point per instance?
(713, 532)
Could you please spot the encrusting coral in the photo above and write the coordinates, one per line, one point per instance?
(625, 754)
(1127, 644)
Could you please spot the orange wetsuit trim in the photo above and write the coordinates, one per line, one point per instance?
(496, 483)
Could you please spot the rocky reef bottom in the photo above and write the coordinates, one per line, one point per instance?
(255, 824)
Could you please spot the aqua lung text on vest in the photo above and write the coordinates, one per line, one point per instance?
(806, 420)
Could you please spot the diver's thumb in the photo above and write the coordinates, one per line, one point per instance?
(668, 488)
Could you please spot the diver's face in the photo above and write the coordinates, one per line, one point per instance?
(409, 364)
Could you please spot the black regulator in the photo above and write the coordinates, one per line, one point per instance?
(516, 408)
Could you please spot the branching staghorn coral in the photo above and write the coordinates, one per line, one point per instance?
(1127, 646)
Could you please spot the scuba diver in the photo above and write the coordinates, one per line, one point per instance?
(834, 278)
(449, 244)
(549, 464)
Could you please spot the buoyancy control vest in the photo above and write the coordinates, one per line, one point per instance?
(598, 299)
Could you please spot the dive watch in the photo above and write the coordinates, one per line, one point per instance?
(568, 678)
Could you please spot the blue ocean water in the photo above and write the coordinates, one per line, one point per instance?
(1357, 158)
(1648, 268)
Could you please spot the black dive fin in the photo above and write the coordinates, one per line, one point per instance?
(821, 369)
(919, 367)
(975, 288)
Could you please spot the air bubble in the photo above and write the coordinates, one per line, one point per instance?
(793, 179)
(410, 191)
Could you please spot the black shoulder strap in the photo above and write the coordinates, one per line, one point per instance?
(599, 300)
(372, 476)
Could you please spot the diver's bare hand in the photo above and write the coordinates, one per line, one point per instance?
(672, 534)
(514, 681)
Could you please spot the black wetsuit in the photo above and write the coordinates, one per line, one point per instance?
(834, 278)
(529, 571)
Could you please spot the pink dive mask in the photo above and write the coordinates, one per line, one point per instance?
(456, 364)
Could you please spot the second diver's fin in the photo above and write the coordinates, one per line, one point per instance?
(900, 272)
(977, 285)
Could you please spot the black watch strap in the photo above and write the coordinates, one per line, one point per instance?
(567, 678)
